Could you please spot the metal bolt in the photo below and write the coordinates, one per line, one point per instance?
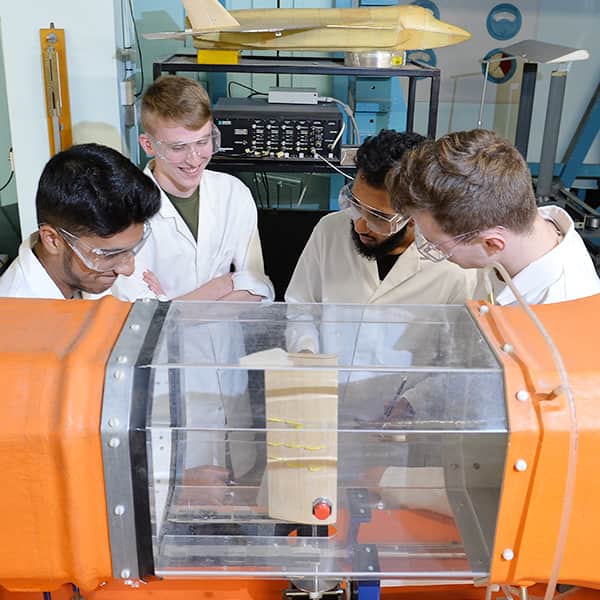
(370, 568)
(508, 554)
(118, 374)
(521, 465)
(368, 549)
(114, 442)
(523, 395)
(122, 359)
(119, 510)
(484, 309)
(125, 574)
(507, 348)
(134, 327)
(113, 422)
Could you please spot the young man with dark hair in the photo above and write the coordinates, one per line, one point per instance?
(93, 207)
(364, 253)
(204, 243)
(471, 197)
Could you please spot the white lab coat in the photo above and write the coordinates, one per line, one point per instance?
(26, 277)
(331, 270)
(564, 273)
(227, 235)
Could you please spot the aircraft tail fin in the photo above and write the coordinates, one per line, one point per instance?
(205, 15)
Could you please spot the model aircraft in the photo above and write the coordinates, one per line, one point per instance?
(389, 28)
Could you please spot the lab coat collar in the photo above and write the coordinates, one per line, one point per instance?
(547, 269)
(407, 265)
(167, 210)
(35, 272)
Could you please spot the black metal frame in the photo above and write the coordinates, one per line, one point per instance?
(307, 66)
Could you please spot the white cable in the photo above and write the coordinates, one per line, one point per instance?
(348, 111)
(564, 388)
(315, 153)
(338, 137)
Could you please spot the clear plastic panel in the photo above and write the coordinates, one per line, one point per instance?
(317, 441)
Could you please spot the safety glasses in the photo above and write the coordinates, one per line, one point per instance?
(100, 259)
(203, 147)
(377, 221)
(440, 251)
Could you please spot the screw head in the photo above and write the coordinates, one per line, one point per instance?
(521, 465)
(114, 442)
(484, 309)
(119, 510)
(113, 422)
(508, 554)
(118, 374)
(523, 395)
(125, 574)
(122, 359)
(134, 327)
(507, 348)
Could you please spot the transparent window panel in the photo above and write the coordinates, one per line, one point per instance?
(378, 454)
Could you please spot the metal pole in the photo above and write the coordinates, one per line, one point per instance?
(556, 97)
(525, 108)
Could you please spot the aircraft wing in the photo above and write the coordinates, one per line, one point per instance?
(180, 35)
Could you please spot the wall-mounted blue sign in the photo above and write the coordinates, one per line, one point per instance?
(504, 21)
(501, 68)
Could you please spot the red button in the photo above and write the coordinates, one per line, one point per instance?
(322, 511)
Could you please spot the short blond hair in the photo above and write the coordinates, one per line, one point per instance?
(468, 180)
(177, 99)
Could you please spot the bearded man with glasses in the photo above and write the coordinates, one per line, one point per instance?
(365, 253)
(93, 209)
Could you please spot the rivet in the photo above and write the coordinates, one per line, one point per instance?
(507, 348)
(114, 442)
(521, 465)
(370, 568)
(134, 327)
(122, 359)
(113, 422)
(484, 309)
(523, 395)
(508, 554)
(118, 374)
(119, 510)
(125, 574)
(368, 549)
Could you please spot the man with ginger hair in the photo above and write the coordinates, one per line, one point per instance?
(204, 243)
(471, 198)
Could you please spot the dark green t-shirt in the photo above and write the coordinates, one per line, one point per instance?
(189, 209)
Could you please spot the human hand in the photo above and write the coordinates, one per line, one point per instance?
(205, 484)
(151, 280)
(241, 296)
(214, 289)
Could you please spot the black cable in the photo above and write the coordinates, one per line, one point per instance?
(139, 49)
(7, 182)
(247, 87)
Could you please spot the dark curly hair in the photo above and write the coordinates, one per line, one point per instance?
(377, 154)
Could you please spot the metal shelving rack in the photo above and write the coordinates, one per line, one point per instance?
(178, 63)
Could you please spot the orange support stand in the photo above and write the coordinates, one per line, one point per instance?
(56, 84)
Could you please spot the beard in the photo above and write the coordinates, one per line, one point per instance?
(375, 251)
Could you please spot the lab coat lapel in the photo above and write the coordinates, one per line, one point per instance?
(406, 266)
(206, 228)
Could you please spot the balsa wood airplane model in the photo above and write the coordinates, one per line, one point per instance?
(390, 28)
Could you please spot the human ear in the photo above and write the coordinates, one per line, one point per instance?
(493, 242)
(50, 239)
(146, 144)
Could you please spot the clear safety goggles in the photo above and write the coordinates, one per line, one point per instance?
(440, 251)
(377, 221)
(203, 147)
(101, 259)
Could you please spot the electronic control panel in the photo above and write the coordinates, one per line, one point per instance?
(254, 128)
